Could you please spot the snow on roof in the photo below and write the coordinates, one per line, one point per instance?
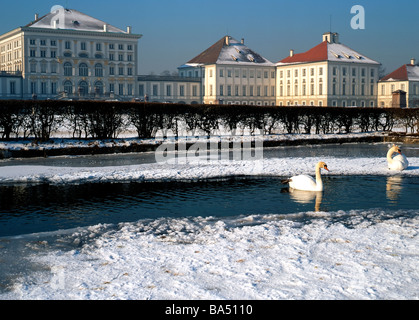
(413, 72)
(326, 51)
(73, 20)
(230, 51)
(407, 72)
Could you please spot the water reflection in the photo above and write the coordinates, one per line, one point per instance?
(306, 197)
(394, 188)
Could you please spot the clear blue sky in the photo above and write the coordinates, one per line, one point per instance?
(175, 31)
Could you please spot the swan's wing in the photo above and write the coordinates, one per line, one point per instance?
(302, 182)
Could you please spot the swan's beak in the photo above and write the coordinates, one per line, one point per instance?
(399, 151)
(325, 167)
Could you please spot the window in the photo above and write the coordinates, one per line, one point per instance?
(221, 73)
(244, 91)
(43, 67)
(12, 87)
(98, 47)
(121, 89)
(121, 71)
(99, 87)
(53, 88)
(121, 47)
(182, 90)
(120, 57)
(221, 90)
(83, 88)
(229, 90)
(68, 69)
(53, 67)
(383, 89)
(53, 54)
(168, 90)
(129, 47)
(43, 88)
(68, 45)
(195, 91)
(32, 53)
(111, 57)
(141, 90)
(83, 70)
(111, 46)
(98, 70)
(43, 42)
(129, 70)
(83, 45)
(68, 87)
(112, 71)
(33, 67)
(53, 43)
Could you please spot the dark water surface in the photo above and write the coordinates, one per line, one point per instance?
(39, 208)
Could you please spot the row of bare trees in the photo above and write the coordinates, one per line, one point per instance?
(101, 120)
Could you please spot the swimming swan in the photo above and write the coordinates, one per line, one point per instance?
(399, 162)
(307, 183)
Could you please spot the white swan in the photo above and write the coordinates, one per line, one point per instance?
(307, 183)
(399, 162)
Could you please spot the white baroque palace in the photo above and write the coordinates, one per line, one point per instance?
(67, 54)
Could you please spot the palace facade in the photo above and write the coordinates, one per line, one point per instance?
(67, 54)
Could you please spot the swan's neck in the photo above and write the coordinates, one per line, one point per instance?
(389, 154)
(319, 182)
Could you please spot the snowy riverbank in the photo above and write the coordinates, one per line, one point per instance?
(345, 254)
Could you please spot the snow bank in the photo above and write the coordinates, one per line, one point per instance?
(200, 170)
(253, 257)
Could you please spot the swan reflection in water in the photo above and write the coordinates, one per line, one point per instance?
(394, 188)
(305, 197)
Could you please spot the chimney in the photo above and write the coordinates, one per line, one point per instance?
(36, 16)
(291, 53)
(54, 24)
(129, 29)
(105, 28)
(227, 41)
(242, 41)
(413, 61)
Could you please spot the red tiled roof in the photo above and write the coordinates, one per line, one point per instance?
(210, 55)
(318, 53)
(399, 74)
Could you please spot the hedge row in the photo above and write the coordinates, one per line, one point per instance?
(103, 120)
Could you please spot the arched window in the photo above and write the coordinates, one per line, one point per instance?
(83, 70)
(68, 87)
(68, 69)
(99, 87)
(83, 88)
(98, 70)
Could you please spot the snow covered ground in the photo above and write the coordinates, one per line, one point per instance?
(355, 254)
(200, 169)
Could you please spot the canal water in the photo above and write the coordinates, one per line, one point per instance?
(37, 208)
